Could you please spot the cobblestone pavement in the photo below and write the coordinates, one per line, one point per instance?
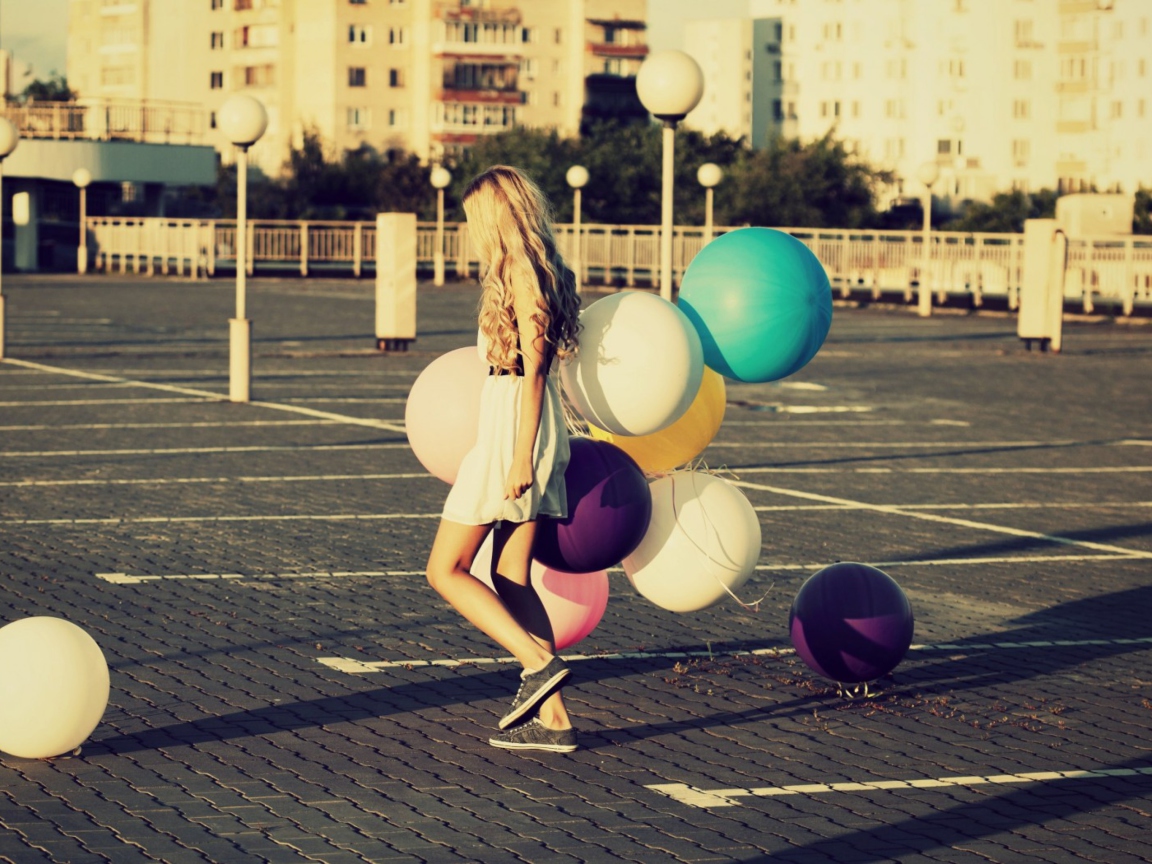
(285, 686)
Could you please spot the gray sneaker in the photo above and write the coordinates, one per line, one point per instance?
(534, 735)
(533, 689)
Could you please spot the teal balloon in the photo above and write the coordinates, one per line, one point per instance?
(760, 301)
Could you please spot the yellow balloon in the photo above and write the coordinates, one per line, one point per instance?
(685, 439)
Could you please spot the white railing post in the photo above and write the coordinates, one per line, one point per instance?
(303, 248)
(357, 248)
(1127, 292)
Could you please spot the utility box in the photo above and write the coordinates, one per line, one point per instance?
(1092, 214)
(1042, 284)
(395, 281)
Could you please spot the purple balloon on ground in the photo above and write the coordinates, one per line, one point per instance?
(851, 623)
(609, 507)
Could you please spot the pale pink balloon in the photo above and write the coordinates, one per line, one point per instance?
(443, 411)
(575, 602)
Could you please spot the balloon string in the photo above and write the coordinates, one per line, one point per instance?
(754, 606)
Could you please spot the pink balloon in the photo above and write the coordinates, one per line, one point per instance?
(575, 602)
(443, 411)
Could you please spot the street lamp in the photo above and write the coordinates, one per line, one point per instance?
(82, 177)
(708, 175)
(9, 138)
(669, 85)
(439, 178)
(243, 120)
(577, 178)
(928, 174)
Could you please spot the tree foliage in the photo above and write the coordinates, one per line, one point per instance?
(1006, 212)
(55, 89)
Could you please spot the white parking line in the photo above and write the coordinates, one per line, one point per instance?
(1118, 469)
(352, 666)
(710, 798)
(188, 391)
(167, 481)
(1030, 505)
(175, 451)
(58, 403)
(947, 520)
(209, 424)
(161, 520)
(127, 579)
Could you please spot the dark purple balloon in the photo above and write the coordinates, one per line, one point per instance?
(609, 507)
(851, 623)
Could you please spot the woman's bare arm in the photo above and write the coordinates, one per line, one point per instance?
(533, 348)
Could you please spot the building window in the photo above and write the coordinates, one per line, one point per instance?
(216, 81)
(359, 118)
(217, 4)
(397, 118)
(357, 76)
(556, 98)
(263, 75)
(528, 68)
(944, 147)
(241, 5)
(357, 3)
(1117, 110)
(211, 119)
(1022, 70)
(1021, 150)
(1021, 109)
(777, 110)
(613, 66)
(1023, 31)
(398, 36)
(395, 77)
(558, 36)
(359, 34)
(217, 41)
(528, 34)
(777, 71)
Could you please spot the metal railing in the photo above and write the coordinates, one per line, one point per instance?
(151, 122)
(872, 263)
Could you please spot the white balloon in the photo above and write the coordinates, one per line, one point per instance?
(703, 542)
(639, 364)
(54, 687)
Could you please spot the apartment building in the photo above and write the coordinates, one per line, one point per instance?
(999, 93)
(426, 76)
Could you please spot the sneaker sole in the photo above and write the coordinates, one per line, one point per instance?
(511, 717)
(553, 748)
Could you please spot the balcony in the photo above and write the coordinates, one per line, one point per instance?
(614, 49)
(150, 122)
(480, 97)
(475, 15)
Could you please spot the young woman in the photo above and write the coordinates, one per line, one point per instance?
(529, 318)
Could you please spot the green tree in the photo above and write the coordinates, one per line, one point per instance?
(818, 184)
(1142, 215)
(1005, 213)
(55, 89)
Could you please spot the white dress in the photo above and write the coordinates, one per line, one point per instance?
(477, 497)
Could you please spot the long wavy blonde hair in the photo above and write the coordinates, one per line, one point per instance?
(510, 226)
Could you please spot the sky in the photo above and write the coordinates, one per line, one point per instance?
(35, 31)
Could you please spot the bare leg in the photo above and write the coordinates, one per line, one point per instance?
(511, 574)
(451, 557)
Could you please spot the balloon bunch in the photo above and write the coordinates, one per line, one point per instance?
(648, 379)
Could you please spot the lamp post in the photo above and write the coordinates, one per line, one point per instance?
(577, 178)
(708, 175)
(243, 120)
(9, 138)
(669, 85)
(928, 174)
(82, 177)
(439, 178)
